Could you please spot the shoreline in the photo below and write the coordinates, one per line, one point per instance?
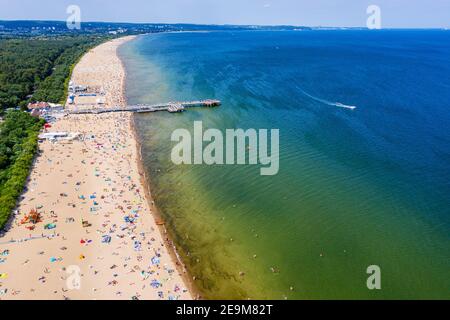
(96, 214)
(145, 182)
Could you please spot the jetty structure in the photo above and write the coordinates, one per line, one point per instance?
(172, 107)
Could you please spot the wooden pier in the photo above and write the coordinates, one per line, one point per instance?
(171, 107)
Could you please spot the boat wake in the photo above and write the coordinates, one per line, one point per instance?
(329, 103)
(340, 105)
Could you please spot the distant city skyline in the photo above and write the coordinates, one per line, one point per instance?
(327, 13)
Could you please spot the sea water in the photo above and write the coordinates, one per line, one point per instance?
(364, 175)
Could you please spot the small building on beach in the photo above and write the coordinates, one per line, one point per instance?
(57, 136)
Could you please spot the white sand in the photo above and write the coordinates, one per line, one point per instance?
(136, 263)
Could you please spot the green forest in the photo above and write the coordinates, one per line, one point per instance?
(38, 69)
(18, 145)
(31, 69)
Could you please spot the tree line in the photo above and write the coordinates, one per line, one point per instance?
(31, 69)
(38, 69)
(18, 145)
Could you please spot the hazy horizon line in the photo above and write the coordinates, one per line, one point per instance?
(228, 24)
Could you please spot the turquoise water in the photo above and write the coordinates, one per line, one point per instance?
(362, 187)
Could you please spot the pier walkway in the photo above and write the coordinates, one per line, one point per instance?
(170, 107)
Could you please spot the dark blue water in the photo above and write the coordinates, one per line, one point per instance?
(356, 187)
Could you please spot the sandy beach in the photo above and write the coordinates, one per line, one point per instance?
(98, 236)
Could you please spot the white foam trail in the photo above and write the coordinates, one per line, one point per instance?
(334, 104)
(340, 105)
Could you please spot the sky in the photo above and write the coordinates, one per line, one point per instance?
(336, 13)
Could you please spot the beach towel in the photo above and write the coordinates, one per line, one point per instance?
(129, 219)
(106, 239)
(155, 284)
(155, 261)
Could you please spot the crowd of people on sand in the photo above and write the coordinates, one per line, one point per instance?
(108, 216)
(93, 214)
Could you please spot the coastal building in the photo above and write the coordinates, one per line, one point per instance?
(74, 88)
(57, 136)
(53, 135)
(175, 107)
(38, 105)
(36, 113)
(42, 109)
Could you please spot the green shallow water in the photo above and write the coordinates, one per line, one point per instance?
(354, 188)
